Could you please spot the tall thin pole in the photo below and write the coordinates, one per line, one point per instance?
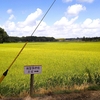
(5, 73)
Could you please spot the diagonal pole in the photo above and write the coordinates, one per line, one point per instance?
(5, 73)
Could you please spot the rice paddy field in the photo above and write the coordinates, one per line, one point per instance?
(64, 65)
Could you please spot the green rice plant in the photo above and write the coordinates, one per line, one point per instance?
(63, 64)
(97, 78)
(90, 80)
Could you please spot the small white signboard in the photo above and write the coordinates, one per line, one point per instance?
(32, 69)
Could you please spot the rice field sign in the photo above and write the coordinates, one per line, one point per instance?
(32, 69)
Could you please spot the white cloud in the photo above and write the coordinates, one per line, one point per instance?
(10, 26)
(25, 27)
(31, 19)
(74, 10)
(33, 16)
(65, 22)
(63, 28)
(89, 28)
(9, 11)
(67, 0)
(88, 1)
(11, 17)
(91, 24)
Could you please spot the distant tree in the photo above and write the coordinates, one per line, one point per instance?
(3, 35)
(14, 39)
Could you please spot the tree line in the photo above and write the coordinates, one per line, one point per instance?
(86, 39)
(91, 39)
(31, 39)
(4, 37)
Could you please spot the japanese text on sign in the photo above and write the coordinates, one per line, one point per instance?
(32, 69)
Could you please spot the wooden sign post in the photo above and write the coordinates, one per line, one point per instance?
(31, 84)
(32, 69)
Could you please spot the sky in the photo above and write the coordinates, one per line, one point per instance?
(66, 18)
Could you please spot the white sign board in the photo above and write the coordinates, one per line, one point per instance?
(32, 69)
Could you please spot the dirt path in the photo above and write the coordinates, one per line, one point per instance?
(85, 95)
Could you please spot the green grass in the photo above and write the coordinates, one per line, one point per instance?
(63, 64)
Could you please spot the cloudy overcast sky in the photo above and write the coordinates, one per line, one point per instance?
(66, 19)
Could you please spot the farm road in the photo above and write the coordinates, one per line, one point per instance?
(86, 95)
